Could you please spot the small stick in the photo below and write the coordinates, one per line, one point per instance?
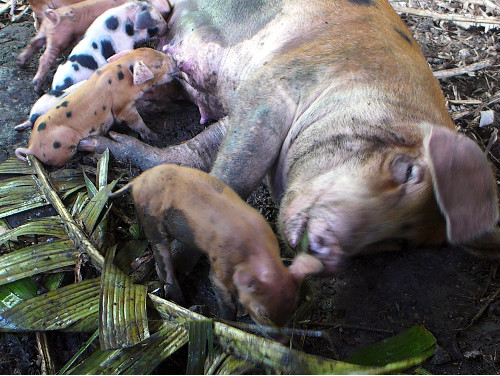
(4, 8)
(473, 102)
(349, 326)
(479, 21)
(445, 73)
(270, 330)
(490, 300)
(20, 15)
(47, 365)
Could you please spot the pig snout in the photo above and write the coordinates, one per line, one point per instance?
(347, 212)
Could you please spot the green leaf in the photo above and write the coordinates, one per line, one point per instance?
(140, 359)
(16, 292)
(56, 309)
(122, 308)
(272, 355)
(36, 259)
(15, 166)
(91, 189)
(53, 281)
(200, 336)
(413, 342)
(73, 359)
(226, 364)
(102, 170)
(49, 226)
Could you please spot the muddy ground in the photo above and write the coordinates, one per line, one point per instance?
(441, 287)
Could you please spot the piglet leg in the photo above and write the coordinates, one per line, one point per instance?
(34, 45)
(198, 152)
(130, 115)
(224, 298)
(165, 270)
(47, 59)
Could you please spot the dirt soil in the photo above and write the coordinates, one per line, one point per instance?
(454, 295)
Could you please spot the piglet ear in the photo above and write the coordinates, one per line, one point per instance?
(244, 279)
(303, 265)
(463, 184)
(118, 55)
(141, 73)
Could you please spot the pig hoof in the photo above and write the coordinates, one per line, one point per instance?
(174, 294)
(150, 137)
(21, 127)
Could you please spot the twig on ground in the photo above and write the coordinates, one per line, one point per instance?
(476, 317)
(475, 21)
(20, 15)
(47, 365)
(445, 73)
(349, 326)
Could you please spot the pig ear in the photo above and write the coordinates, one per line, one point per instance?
(141, 73)
(244, 279)
(118, 55)
(144, 20)
(463, 184)
(303, 265)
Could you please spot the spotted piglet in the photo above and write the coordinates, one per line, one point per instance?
(44, 104)
(108, 96)
(116, 30)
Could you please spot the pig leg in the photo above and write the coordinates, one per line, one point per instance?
(198, 152)
(134, 121)
(34, 45)
(47, 59)
(165, 270)
(224, 298)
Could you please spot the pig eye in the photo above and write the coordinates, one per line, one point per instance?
(405, 170)
(413, 174)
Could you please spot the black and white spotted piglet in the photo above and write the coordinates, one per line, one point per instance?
(116, 30)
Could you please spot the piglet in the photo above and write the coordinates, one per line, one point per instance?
(60, 29)
(39, 7)
(107, 96)
(118, 29)
(195, 208)
(44, 104)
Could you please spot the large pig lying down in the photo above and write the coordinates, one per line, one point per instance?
(108, 96)
(191, 206)
(334, 101)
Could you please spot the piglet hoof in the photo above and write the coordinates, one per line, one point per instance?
(173, 293)
(21, 127)
(37, 85)
(21, 61)
(150, 137)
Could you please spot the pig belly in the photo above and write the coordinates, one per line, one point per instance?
(218, 45)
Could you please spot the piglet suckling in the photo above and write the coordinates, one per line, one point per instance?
(116, 30)
(108, 96)
(61, 28)
(195, 208)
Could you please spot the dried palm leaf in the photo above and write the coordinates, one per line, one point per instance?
(122, 308)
